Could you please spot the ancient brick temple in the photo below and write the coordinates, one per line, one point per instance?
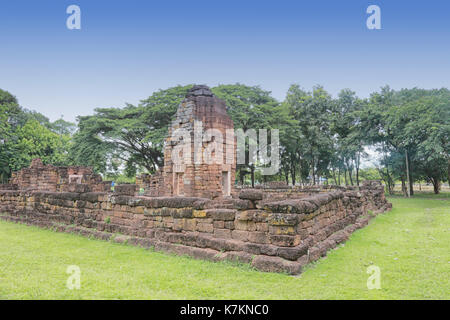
(202, 138)
(200, 151)
(191, 206)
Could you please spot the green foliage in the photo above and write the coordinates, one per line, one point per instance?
(250, 107)
(63, 127)
(253, 108)
(311, 141)
(121, 178)
(9, 111)
(25, 135)
(320, 136)
(132, 136)
(349, 135)
(37, 141)
(415, 122)
(369, 174)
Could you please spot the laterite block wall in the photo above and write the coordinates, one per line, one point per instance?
(280, 236)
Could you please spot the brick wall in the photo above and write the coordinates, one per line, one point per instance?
(280, 236)
(153, 184)
(65, 179)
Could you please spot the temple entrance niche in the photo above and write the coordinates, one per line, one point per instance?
(226, 183)
(178, 184)
(178, 179)
(75, 178)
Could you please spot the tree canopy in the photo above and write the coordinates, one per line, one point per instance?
(26, 134)
(321, 136)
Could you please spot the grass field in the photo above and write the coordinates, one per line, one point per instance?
(410, 245)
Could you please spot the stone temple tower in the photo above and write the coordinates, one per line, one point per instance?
(200, 152)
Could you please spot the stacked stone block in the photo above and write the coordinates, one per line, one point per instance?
(65, 179)
(152, 184)
(280, 236)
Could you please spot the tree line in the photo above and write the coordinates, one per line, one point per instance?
(320, 136)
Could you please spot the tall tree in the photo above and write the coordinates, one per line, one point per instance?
(37, 141)
(252, 108)
(312, 111)
(412, 122)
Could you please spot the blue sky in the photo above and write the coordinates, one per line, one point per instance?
(128, 49)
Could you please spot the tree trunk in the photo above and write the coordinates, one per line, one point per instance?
(388, 181)
(241, 177)
(252, 171)
(404, 188)
(293, 174)
(391, 188)
(357, 162)
(448, 173)
(334, 175)
(349, 169)
(436, 185)
(391, 185)
(408, 191)
(313, 172)
(286, 175)
(339, 176)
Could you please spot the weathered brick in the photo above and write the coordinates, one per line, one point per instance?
(222, 233)
(240, 235)
(258, 237)
(205, 227)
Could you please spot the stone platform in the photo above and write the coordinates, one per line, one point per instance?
(276, 236)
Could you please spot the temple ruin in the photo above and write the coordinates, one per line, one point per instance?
(192, 176)
(192, 207)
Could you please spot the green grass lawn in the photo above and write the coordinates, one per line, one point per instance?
(410, 245)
